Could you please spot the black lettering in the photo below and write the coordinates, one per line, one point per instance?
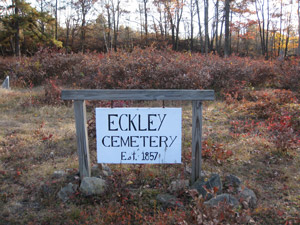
(123, 155)
(120, 122)
(111, 122)
(140, 129)
(133, 141)
(103, 141)
(144, 140)
(131, 122)
(172, 140)
(150, 122)
(153, 141)
(163, 139)
(114, 141)
(161, 120)
(124, 142)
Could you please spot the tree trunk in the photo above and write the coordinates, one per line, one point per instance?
(261, 27)
(298, 11)
(280, 29)
(221, 34)
(56, 20)
(217, 24)
(67, 34)
(192, 27)
(83, 27)
(206, 25)
(267, 32)
(199, 26)
(287, 41)
(146, 20)
(178, 16)
(42, 23)
(17, 29)
(227, 12)
(109, 27)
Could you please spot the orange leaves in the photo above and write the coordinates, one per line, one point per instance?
(47, 137)
(216, 152)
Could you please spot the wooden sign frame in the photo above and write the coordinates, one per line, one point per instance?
(79, 97)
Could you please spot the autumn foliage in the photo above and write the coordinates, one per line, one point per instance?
(152, 69)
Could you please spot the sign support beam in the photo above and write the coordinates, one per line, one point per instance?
(82, 139)
(196, 140)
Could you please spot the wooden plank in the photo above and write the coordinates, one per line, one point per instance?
(196, 140)
(138, 94)
(82, 139)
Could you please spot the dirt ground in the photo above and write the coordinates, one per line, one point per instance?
(37, 139)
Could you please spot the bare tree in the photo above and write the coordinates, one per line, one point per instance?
(199, 25)
(192, 25)
(16, 26)
(83, 7)
(298, 12)
(227, 41)
(146, 19)
(206, 25)
(263, 27)
(56, 22)
(217, 24)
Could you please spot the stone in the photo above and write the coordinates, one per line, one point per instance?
(92, 186)
(106, 170)
(212, 184)
(46, 190)
(232, 180)
(58, 174)
(100, 170)
(178, 185)
(248, 196)
(232, 183)
(227, 198)
(66, 192)
(5, 83)
(169, 201)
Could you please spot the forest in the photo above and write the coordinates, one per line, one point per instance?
(267, 28)
(245, 51)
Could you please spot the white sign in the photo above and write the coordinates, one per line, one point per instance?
(138, 135)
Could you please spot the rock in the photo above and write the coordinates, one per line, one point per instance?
(5, 83)
(169, 201)
(178, 185)
(188, 170)
(100, 170)
(232, 180)
(59, 174)
(248, 196)
(66, 192)
(232, 183)
(92, 186)
(106, 170)
(16, 207)
(227, 198)
(46, 190)
(213, 184)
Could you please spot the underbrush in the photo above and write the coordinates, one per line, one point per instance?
(150, 69)
(275, 112)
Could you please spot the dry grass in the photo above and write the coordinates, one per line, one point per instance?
(28, 158)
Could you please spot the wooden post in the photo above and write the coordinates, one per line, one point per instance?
(196, 140)
(82, 139)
